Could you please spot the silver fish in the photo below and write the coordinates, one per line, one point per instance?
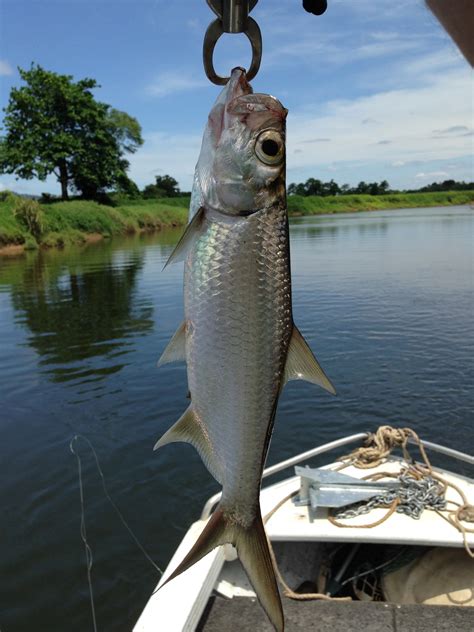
(238, 337)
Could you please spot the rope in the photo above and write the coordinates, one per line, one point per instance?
(391, 510)
(464, 512)
(378, 446)
(287, 591)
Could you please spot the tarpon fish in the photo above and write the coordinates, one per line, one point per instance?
(238, 337)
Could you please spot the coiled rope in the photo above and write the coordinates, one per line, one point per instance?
(378, 446)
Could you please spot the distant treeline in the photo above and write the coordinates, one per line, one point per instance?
(313, 186)
(167, 186)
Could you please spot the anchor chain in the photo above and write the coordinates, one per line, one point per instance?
(414, 496)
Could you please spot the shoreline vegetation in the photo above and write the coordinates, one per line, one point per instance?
(25, 224)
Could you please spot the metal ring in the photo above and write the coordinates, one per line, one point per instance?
(213, 33)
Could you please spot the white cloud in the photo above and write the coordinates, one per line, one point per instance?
(455, 129)
(409, 115)
(174, 154)
(172, 82)
(432, 174)
(335, 50)
(30, 187)
(5, 68)
(346, 134)
(193, 24)
(370, 10)
(381, 48)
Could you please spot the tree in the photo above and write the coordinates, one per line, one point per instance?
(330, 188)
(345, 189)
(296, 189)
(362, 187)
(313, 186)
(55, 125)
(373, 188)
(383, 187)
(165, 186)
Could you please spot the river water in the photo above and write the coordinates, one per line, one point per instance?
(384, 298)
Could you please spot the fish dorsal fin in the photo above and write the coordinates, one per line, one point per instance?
(176, 347)
(189, 429)
(187, 238)
(301, 364)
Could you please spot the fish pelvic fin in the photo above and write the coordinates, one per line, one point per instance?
(187, 238)
(301, 364)
(189, 429)
(176, 347)
(254, 553)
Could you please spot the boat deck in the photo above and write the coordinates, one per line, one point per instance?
(183, 601)
(239, 614)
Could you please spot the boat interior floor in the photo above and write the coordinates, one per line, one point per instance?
(242, 614)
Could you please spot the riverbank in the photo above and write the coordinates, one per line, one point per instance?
(312, 205)
(25, 224)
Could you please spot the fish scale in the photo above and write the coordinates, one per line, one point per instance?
(238, 302)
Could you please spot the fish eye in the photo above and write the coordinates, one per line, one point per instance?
(269, 147)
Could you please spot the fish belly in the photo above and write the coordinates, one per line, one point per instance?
(238, 327)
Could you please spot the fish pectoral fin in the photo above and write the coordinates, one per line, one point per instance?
(187, 238)
(176, 347)
(301, 364)
(188, 429)
(253, 551)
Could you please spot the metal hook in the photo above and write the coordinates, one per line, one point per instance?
(214, 31)
(232, 17)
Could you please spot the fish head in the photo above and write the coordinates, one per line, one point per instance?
(244, 166)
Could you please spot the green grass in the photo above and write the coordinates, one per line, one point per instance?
(70, 222)
(313, 205)
(11, 231)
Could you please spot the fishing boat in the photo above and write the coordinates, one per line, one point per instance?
(373, 536)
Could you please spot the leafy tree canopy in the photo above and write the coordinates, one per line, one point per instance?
(317, 187)
(312, 186)
(55, 125)
(165, 186)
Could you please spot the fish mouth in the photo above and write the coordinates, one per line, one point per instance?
(237, 84)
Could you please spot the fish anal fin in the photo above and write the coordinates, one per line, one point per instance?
(301, 364)
(187, 238)
(188, 429)
(176, 347)
(253, 551)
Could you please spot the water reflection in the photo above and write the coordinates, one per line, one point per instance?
(385, 300)
(81, 311)
(331, 228)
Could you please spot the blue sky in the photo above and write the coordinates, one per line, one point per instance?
(375, 88)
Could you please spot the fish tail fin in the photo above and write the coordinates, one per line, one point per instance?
(254, 553)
